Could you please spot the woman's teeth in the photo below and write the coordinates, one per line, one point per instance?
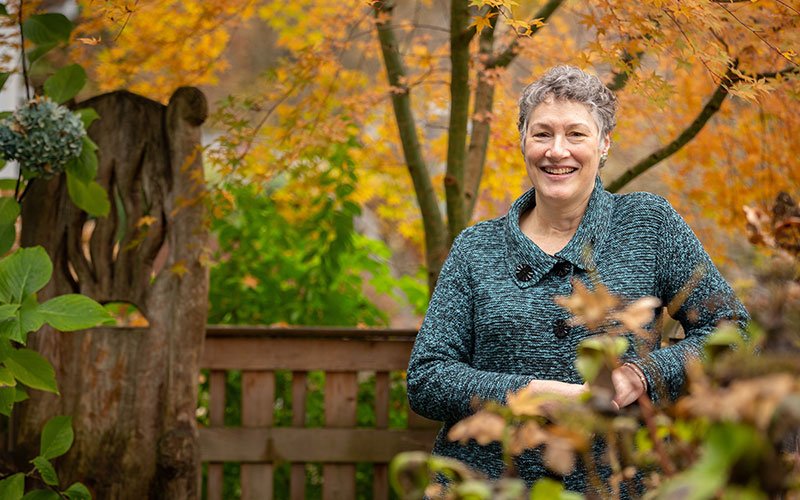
(559, 170)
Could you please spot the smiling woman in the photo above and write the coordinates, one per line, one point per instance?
(493, 326)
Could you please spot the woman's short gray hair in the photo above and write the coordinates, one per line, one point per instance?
(569, 83)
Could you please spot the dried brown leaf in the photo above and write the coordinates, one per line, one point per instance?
(484, 427)
(527, 436)
(589, 308)
(559, 455)
(637, 314)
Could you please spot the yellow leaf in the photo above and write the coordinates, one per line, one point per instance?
(481, 22)
(147, 220)
(179, 268)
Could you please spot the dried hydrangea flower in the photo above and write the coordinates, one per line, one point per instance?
(42, 136)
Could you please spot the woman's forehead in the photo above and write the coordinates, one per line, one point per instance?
(562, 111)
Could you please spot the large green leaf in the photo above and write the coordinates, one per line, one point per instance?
(89, 197)
(57, 437)
(25, 320)
(46, 470)
(73, 312)
(84, 167)
(6, 377)
(13, 487)
(20, 395)
(41, 495)
(40, 50)
(77, 491)
(30, 319)
(47, 28)
(24, 272)
(8, 311)
(9, 211)
(88, 116)
(7, 399)
(4, 79)
(5, 348)
(30, 368)
(65, 83)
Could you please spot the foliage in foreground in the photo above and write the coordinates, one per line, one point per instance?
(734, 434)
(22, 274)
(46, 139)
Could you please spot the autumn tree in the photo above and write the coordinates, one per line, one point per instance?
(707, 92)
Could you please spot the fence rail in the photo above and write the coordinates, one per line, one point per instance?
(345, 355)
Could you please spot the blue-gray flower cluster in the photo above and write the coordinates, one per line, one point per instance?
(42, 136)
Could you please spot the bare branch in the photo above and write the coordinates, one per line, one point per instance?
(436, 241)
(504, 59)
(711, 107)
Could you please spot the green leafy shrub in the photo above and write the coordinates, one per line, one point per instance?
(307, 269)
(22, 274)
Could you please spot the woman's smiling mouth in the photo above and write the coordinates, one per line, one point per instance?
(558, 170)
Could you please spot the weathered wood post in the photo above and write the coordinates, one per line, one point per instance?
(132, 392)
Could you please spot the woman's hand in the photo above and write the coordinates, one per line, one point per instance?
(555, 387)
(628, 384)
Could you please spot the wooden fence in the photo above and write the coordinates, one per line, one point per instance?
(344, 355)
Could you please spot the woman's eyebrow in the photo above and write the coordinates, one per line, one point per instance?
(548, 124)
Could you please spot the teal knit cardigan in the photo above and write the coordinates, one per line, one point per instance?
(492, 325)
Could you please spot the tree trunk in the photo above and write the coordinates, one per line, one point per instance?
(132, 393)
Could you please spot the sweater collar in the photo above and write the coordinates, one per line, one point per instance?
(527, 263)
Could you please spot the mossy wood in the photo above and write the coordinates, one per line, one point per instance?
(131, 392)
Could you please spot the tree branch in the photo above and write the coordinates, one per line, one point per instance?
(460, 37)
(481, 124)
(710, 109)
(504, 59)
(436, 242)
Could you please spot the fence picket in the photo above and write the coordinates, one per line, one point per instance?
(216, 390)
(258, 399)
(297, 480)
(380, 473)
(339, 481)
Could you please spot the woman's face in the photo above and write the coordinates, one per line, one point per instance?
(562, 151)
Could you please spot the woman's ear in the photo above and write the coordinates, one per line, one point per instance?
(605, 144)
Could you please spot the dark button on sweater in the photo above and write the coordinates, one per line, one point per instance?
(561, 328)
(562, 269)
(524, 272)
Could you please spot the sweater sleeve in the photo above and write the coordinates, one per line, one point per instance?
(441, 379)
(695, 294)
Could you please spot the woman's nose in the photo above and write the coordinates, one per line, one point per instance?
(558, 148)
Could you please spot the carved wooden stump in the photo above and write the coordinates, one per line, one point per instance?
(132, 392)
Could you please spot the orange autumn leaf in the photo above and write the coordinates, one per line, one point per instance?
(250, 281)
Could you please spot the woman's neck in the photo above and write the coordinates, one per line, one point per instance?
(557, 218)
(552, 225)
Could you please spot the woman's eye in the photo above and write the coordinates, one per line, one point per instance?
(541, 134)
